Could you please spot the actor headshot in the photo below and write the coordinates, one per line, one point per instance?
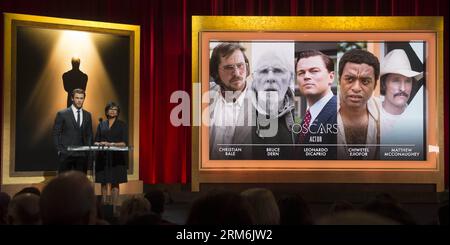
(230, 121)
(358, 110)
(273, 78)
(315, 75)
(397, 79)
(401, 115)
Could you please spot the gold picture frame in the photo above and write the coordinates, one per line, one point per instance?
(128, 34)
(241, 28)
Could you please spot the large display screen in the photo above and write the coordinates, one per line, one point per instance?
(317, 100)
(313, 100)
(287, 100)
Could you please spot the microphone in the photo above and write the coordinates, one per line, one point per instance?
(100, 120)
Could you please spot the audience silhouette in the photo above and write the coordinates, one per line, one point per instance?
(4, 202)
(24, 210)
(294, 210)
(220, 207)
(68, 199)
(264, 206)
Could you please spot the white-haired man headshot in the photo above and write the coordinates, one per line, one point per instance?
(273, 79)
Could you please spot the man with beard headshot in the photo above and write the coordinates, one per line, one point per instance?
(397, 79)
(274, 104)
(230, 106)
(358, 110)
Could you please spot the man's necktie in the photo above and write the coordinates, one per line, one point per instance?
(305, 126)
(78, 118)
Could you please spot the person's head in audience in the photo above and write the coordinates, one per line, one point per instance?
(145, 219)
(341, 206)
(386, 198)
(264, 205)
(133, 207)
(31, 189)
(220, 207)
(443, 214)
(356, 218)
(4, 202)
(157, 200)
(68, 199)
(24, 210)
(387, 206)
(101, 222)
(294, 211)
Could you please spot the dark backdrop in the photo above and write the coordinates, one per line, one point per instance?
(34, 149)
(165, 151)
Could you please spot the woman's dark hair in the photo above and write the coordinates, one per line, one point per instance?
(112, 105)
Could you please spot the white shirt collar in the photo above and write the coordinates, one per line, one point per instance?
(228, 113)
(74, 109)
(317, 107)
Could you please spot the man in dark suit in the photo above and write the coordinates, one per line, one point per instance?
(315, 75)
(73, 127)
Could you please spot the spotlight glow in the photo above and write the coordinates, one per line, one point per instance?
(49, 92)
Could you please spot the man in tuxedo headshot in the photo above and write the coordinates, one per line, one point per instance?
(73, 127)
(315, 75)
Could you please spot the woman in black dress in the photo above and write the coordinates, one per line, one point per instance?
(111, 166)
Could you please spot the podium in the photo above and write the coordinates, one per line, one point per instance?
(95, 148)
(98, 148)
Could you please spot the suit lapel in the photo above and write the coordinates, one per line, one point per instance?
(329, 110)
(84, 118)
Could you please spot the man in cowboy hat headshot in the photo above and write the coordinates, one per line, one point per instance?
(401, 123)
(397, 80)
